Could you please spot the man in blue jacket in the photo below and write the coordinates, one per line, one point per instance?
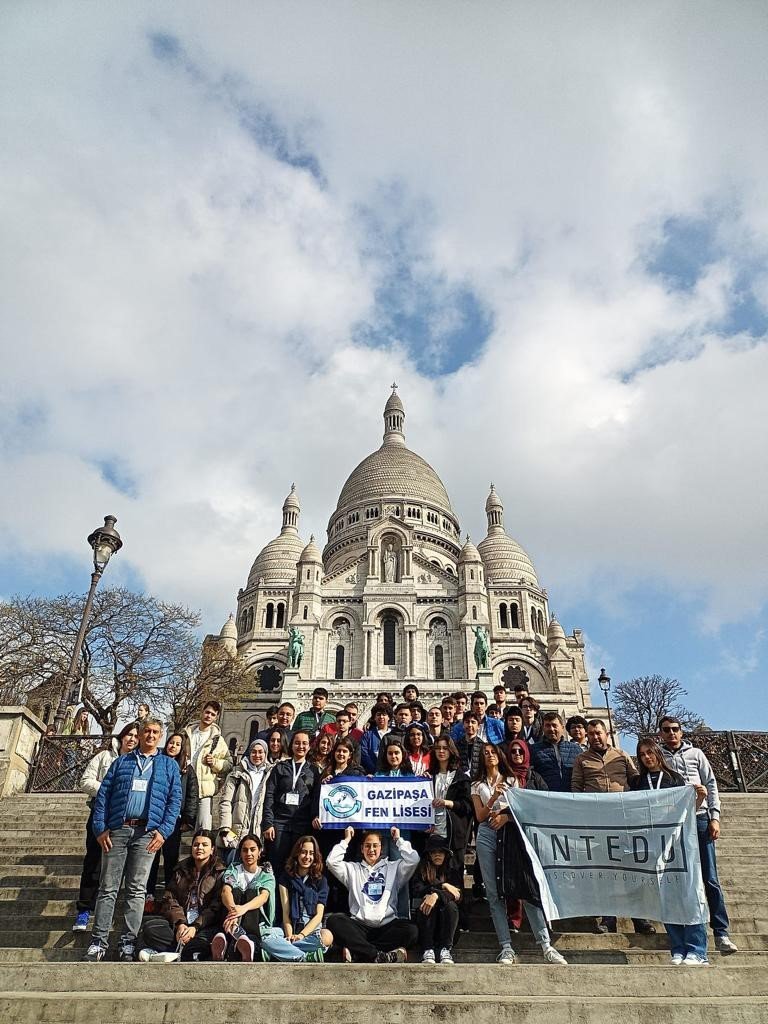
(491, 729)
(136, 809)
(553, 755)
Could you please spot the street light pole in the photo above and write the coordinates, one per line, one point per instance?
(105, 541)
(604, 681)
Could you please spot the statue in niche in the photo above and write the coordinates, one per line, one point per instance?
(390, 564)
(295, 647)
(482, 647)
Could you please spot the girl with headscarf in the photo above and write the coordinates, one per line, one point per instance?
(242, 797)
(519, 755)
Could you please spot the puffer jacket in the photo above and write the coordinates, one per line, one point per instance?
(554, 762)
(174, 903)
(234, 807)
(208, 778)
(164, 795)
(97, 768)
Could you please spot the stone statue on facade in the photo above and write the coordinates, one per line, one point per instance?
(390, 564)
(482, 647)
(295, 647)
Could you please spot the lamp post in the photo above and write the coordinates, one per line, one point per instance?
(604, 682)
(105, 541)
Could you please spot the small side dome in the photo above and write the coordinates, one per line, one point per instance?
(229, 629)
(311, 552)
(292, 501)
(394, 403)
(493, 501)
(469, 552)
(555, 631)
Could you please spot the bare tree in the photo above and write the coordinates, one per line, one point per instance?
(639, 703)
(137, 649)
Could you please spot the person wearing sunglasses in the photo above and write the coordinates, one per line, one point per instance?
(692, 764)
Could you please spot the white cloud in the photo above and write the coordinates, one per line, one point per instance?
(176, 297)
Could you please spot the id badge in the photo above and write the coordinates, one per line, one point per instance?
(292, 799)
(140, 785)
(192, 916)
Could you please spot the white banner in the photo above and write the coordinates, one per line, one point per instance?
(617, 854)
(404, 801)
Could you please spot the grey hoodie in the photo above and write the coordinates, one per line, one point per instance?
(692, 764)
(373, 890)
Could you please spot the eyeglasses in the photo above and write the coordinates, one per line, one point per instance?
(671, 728)
(517, 753)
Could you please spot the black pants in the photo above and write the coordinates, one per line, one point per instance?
(170, 851)
(637, 922)
(285, 836)
(438, 927)
(89, 876)
(156, 933)
(364, 942)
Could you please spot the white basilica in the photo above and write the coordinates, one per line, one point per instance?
(393, 596)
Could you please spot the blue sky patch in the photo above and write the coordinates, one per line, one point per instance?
(687, 248)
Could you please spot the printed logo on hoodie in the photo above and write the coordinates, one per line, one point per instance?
(374, 886)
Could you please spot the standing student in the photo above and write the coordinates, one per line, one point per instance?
(277, 744)
(381, 718)
(242, 798)
(417, 752)
(136, 809)
(492, 780)
(289, 800)
(91, 779)
(519, 758)
(210, 757)
(313, 720)
(372, 932)
(688, 942)
(248, 904)
(532, 719)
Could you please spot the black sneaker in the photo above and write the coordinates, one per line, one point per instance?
(394, 956)
(96, 952)
(127, 954)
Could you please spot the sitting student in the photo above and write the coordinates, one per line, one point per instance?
(303, 899)
(436, 890)
(248, 902)
(189, 910)
(688, 942)
(372, 932)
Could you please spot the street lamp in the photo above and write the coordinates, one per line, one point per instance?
(105, 541)
(604, 683)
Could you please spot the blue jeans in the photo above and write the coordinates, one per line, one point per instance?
(687, 938)
(273, 940)
(718, 915)
(129, 853)
(486, 856)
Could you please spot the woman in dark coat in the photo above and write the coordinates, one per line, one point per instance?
(436, 891)
(520, 762)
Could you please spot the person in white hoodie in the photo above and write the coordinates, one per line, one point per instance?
(91, 779)
(372, 932)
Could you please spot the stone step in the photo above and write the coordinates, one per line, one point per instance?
(728, 979)
(34, 1007)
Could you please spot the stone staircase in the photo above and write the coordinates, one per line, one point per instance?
(624, 975)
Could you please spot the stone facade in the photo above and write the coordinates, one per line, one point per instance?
(394, 596)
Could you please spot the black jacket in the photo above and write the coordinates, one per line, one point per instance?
(460, 816)
(189, 797)
(277, 812)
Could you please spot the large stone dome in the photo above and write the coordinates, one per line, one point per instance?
(394, 471)
(504, 559)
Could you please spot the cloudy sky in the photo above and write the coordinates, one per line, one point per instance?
(229, 227)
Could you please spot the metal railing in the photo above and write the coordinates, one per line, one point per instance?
(61, 760)
(739, 759)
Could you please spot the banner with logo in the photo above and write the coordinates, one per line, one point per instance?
(404, 801)
(619, 854)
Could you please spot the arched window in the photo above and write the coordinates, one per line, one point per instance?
(439, 663)
(280, 616)
(533, 619)
(250, 619)
(254, 730)
(339, 669)
(514, 617)
(540, 617)
(244, 621)
(471, 574)
(474, 611)
(306, 612)
(269, 617)
(389, 625)
(233, 746)
(503, 620)
(309, 574)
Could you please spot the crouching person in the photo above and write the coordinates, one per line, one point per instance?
(372, 931)
(248, 904)
(190, 909)
(303, 899)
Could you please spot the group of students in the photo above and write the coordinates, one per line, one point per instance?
(265, 881)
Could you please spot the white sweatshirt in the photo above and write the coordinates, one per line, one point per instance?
(373, 890)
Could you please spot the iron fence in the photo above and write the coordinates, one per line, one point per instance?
(61, 760)
(739, 759)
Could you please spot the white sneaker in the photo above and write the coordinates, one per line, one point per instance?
(676, 959)
(694, 960)
(428, 956)
(551, 956)
(725, 945)
(162, 958)
(507, 957)
(445, 957)
(145, 955)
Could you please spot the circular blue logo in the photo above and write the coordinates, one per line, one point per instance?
(342, 802)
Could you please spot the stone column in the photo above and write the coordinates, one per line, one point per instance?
(20, 733)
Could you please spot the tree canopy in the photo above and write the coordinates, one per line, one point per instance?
(638, 704)
(137, 649)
